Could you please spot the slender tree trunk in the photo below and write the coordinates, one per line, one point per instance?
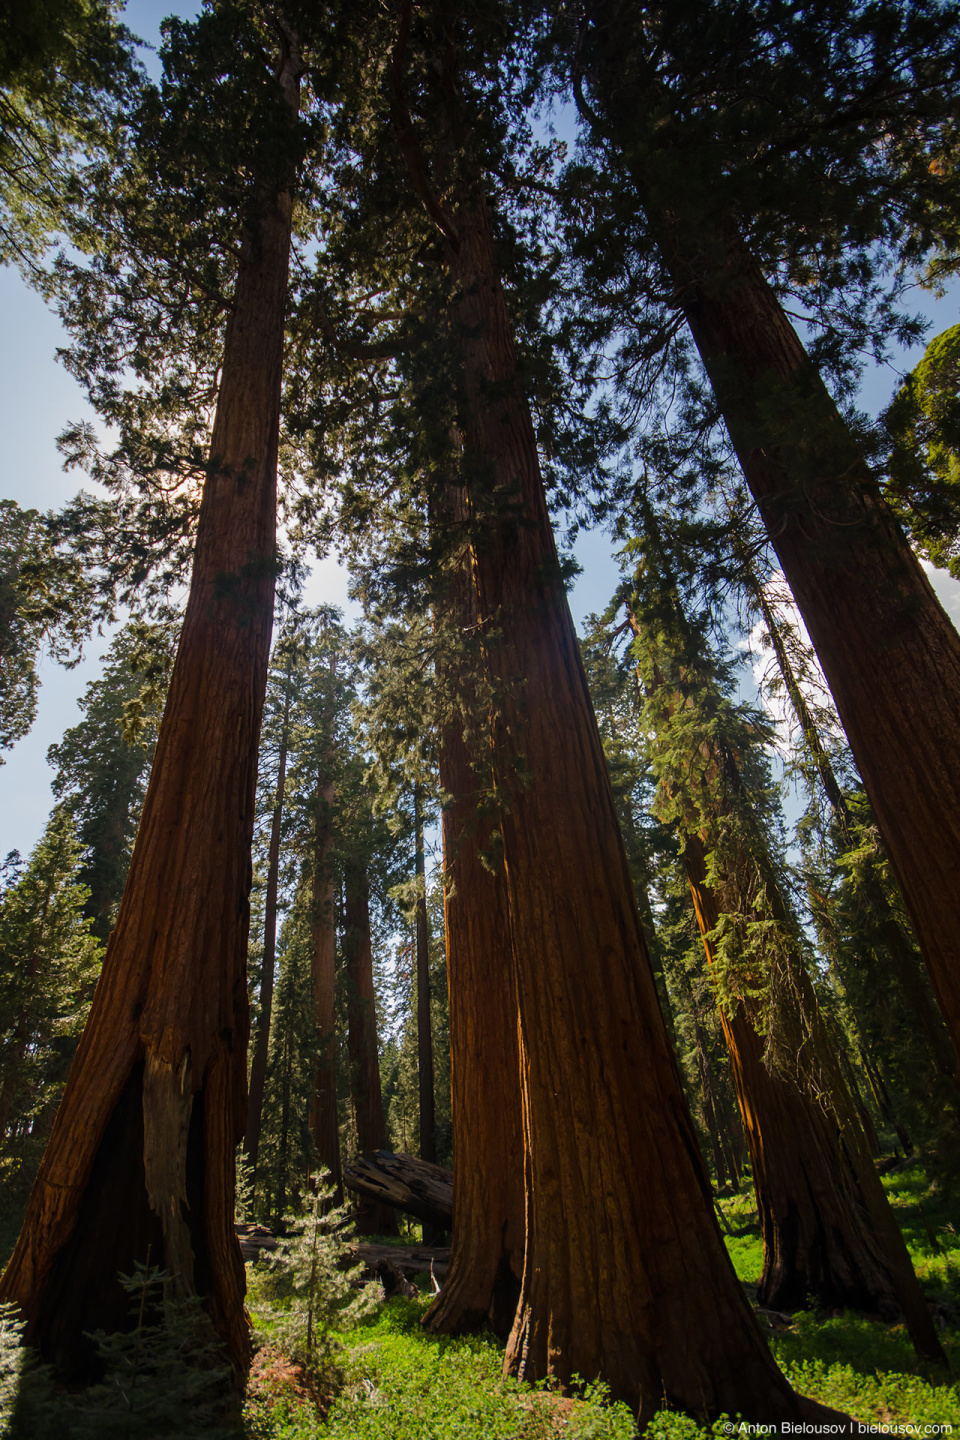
(258, 1068)
(362, 1038)
(324, 1121)
(141, 1154)
(625, 1273)
(428, 1124)
(888, 650)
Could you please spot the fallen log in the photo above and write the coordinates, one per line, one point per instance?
(414, 1186)
(253, 1239)
(418, 1260)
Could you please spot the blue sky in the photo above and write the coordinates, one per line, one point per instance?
(37, 400)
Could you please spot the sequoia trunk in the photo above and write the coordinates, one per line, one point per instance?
(817, 1191)
(896, 942)
(625, 1274)
(888, 650)
(141, 1155)
(428, 1147)
(486, 1265)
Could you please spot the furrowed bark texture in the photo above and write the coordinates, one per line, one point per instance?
(142, 1150)
(362, 1038)
(324, 1123)
(625, 1274)
(817, 1191)
(258, 1068)
(486, 1266)
(888, 650)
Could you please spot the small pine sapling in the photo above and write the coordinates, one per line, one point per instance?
(313, 1288)
(168, 1375)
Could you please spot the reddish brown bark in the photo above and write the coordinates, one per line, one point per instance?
(362, 1038)
(625, 1273)
(827, 1227)
(142, 1150)
(486, 1265)
(888, 650)
(324, 1122)
(907, 963)
(258, 1067)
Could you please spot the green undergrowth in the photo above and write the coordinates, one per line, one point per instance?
(399, 1383)
(396, 1382)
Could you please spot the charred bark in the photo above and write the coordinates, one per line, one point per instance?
(141, 1153)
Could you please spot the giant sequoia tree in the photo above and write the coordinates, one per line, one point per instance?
(828, 1229)
(696, 115)
(624, 1272)
(141, 1153)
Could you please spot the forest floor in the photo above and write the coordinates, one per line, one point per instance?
(387, 1379)
(396, 1382)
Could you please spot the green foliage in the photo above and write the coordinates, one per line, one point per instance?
(314, 1293)
(44, 604)
(403, 1384)
(64, 67)
(103, 763)
(48, 965)
(924, 421)
(164, 1376)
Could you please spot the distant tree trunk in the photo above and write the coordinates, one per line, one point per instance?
(362, 1038)
(258, 1069)
(141, 1155)
(888, 650)
(827, 1226)
(324, 1122)
(486, 1265)
(622, 1245)
(428, 1124)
